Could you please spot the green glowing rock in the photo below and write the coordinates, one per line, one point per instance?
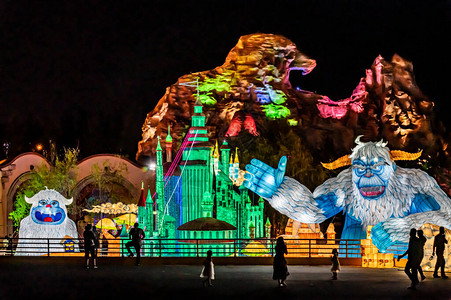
(218, 84)
(208, 100)
(292, 122)
(278, 97)
(274, 111)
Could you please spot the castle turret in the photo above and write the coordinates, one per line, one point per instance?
(252, 230)
(216, 158)
(261, 203)
(225, 156)
(236, 165)
(149, 209)
(124, 232)
(169, 146)
(159, 186)
(124, 238)
(268, 232)
(142, 211)
(268, 229)
(231, 168)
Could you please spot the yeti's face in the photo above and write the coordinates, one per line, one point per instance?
(48, 212)
(371, 176)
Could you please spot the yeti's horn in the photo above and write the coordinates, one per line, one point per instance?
(403, 155)
(28, 200)
(68, 201)
(338, 163)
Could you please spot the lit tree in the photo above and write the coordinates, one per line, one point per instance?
(106, 177)
(60, 176)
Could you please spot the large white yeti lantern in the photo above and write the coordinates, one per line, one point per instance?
(372, 191)
(47, 220)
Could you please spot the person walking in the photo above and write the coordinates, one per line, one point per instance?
(413, 261)
(422, 239)
(335, 264)
(89, 240)
(136, 235)
(208, 271)
(439, 249)
(280, 268)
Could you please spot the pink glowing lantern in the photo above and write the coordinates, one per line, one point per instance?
(249, 125)
(234, 127)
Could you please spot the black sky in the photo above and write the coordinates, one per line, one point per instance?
(87, 72)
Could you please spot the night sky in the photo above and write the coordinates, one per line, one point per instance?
(86, 73)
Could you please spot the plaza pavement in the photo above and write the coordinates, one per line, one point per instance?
(65, 278)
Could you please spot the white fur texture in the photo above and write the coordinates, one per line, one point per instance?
(297, 202)
(33, 237)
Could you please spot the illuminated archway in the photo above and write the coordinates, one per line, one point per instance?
(87, 193)
(13, 190)
(17, 171)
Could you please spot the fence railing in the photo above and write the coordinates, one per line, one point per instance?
(182, 248)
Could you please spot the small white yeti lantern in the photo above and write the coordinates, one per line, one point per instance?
(47, 220)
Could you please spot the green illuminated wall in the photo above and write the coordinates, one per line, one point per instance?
(198, 169)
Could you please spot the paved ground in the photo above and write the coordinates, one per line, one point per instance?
(62, 279)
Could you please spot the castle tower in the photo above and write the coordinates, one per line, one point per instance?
(268, 229)
(225, 156)
(172, 190)
(149, 211)
(198, 172)
(142, 211)
(236, 165)
(124, 238)
(252, 230)
(216, 158)
(231, 168)
(260, 226)
(159, 186)
(169, 146)
(224, 189)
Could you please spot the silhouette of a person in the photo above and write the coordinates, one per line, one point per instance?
(422, 240)
(136, 234)
(89, 239)
(208, 271)
(413, 258)
(335, 264)
(439, 248)
(280, 268)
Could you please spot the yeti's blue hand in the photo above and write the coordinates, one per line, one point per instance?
(262, 179)
(381, 238)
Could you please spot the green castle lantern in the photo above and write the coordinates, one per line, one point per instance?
(207, 175)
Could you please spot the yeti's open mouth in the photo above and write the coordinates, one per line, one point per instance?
(48, 218)
(372, 191)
